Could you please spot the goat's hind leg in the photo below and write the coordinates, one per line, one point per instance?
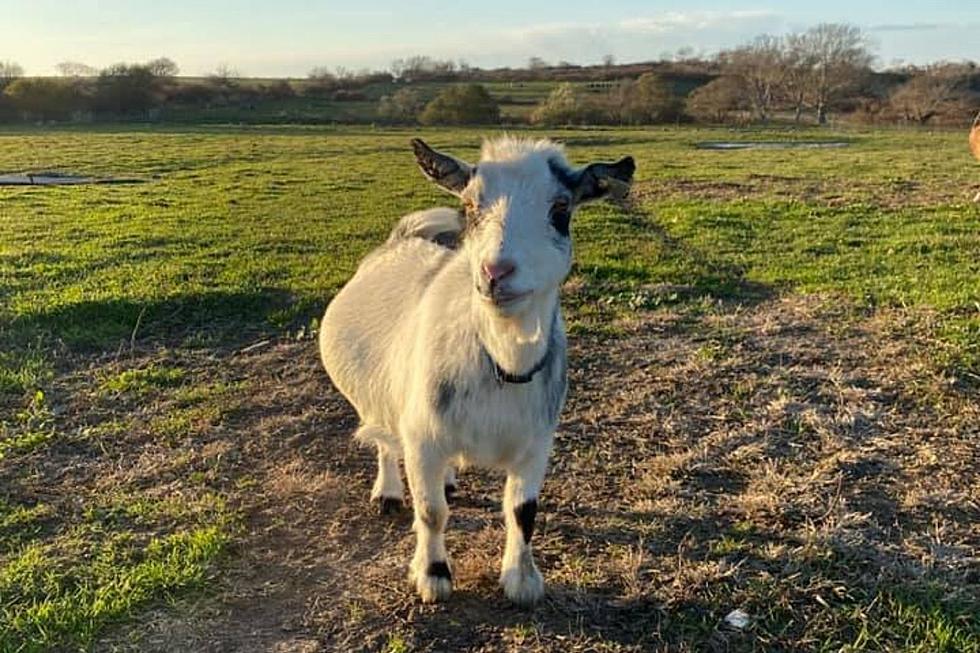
(388, 490)
(449, 482)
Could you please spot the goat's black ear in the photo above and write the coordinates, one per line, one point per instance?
(598, 180)
(448, 172)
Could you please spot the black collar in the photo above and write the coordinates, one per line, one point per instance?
(502, 376)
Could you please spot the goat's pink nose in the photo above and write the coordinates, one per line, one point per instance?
(499, 270)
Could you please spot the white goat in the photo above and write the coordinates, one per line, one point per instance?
(449, 342)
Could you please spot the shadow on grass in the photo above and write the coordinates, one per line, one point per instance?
(646, 266)
(217, 318)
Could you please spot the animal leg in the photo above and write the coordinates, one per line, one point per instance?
(388, 489)
(430, 569)
(449, 483)
(519, 576)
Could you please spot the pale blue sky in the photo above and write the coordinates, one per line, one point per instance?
(288, 37)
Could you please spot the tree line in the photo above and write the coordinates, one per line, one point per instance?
(794, 77)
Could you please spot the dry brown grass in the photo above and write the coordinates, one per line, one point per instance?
(795, 459)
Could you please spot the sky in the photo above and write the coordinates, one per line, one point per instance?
(287, 38)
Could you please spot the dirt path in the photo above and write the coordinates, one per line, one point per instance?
(792, 459)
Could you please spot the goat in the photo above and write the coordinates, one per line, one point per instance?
(450, 344)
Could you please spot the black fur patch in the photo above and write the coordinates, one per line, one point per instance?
(439, 570)
(590, 182)
(389, 505)
(445, 394)
(450, 491)
(568, 178)
(560, 220)
(450, 173)
(525, 514)
(448, 239)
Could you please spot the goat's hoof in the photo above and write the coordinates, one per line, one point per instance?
(436, 584)
(389, 505)
(450, 489)
(523, 586)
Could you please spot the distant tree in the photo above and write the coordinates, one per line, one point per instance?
(799, 63)
(929, 91)
(163, 67)
(9, 71)
(608, 60)
(761, 67)
(42, 98)
(75, 69)
(536, 63)
(718, 101)
(647, 100)
(838, 57)
(404, 106)
(566, 105)
(125, 89)
(463, 104)
(278, 90)
(420, 67)
(684, 53)
(224, 75)
(321, 73)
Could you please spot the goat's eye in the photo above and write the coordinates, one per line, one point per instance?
(561, 215)
(471, 207)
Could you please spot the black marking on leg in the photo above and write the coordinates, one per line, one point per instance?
(450, 491)
(525, 514)
(389, 505)
(439, 570)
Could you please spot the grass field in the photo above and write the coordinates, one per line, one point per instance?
(775, 370)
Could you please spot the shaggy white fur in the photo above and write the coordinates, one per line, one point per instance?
(450, 344)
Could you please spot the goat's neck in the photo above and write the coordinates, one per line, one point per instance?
(517, 342)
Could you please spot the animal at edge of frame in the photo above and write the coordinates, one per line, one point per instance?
(975, 145)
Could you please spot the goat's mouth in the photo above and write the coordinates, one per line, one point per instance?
(504, 299)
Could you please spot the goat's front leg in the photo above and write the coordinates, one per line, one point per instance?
(430, 567)
(519, 576)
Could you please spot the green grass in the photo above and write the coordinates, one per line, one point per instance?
(49, 600)
(143, 380)
(242, 233)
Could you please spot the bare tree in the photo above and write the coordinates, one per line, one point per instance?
(321, 73)
(9, 71)
(837, 57)
(536, 63)
(223, 75)
(76, 69)
(798, 66)
(163, 67)
(930, 89)
(608, 60)
(761, 67)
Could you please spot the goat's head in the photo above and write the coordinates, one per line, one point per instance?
(519, 201)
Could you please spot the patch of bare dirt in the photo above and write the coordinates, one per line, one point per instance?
(784, 458)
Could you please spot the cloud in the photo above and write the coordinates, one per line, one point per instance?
(638, 38)
(695, 20)
(909, 27)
